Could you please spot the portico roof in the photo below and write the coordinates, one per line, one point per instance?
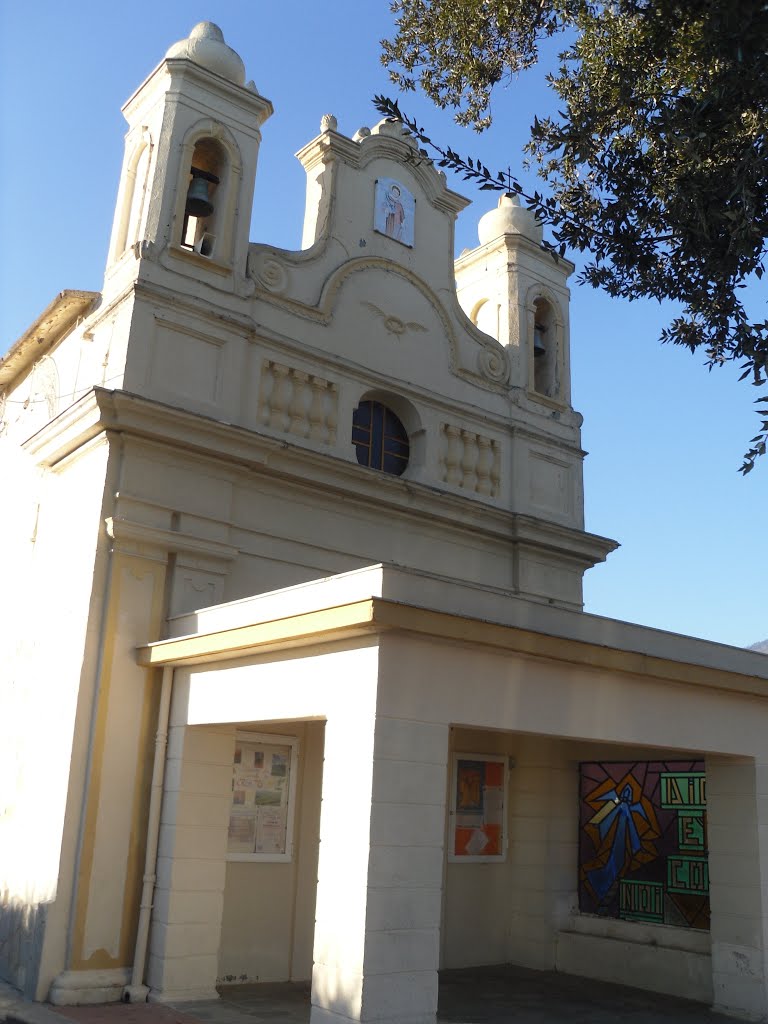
(383, 599)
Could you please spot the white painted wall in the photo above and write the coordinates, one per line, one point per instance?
(51, 550)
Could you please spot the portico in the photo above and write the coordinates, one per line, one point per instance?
(401, 687)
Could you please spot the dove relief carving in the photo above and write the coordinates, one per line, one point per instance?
(393, 324)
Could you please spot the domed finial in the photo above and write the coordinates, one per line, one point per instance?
(509, 218)
(205, 46)
(207, 30)
(328, 123)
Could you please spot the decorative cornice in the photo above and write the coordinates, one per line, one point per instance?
(135, 417)
(128, 533)
(377, 616)
(327, 146)
(175, 68)
(510, 245)
(582, 547)
(56, 321)
(78, 424)
(331, 145)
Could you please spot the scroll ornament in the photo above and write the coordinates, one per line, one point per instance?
(270, 275)
(494, 365)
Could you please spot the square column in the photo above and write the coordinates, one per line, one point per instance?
(540, 855)
(189, 894)
(737, 813)
(382, 832)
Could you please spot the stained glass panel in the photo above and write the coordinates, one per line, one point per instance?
(643, 841)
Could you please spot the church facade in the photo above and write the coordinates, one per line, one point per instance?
(300, 684)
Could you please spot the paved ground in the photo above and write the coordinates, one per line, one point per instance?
(514, 995)
(485, 995)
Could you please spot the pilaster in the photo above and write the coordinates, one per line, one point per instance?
(191, 866)
(112, 853)
(737, 814)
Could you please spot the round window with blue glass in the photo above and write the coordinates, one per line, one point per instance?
(380, 439)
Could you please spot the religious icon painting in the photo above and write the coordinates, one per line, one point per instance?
(394, 210)
(642, 842)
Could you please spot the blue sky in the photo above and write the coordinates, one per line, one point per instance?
(664, 436)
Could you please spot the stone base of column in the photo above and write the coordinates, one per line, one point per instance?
(73, 988)
(136, 993)
(398, 997)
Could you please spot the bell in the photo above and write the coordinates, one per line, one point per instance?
(539, 348)
(198, 201)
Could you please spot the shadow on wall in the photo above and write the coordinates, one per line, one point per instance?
(22, 926)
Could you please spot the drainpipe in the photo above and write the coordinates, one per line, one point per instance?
(137, 991)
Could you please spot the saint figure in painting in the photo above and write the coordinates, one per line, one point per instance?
(394, 211)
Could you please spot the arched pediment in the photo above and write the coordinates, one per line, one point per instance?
(378, 263)
(394, 145)
(370, 297)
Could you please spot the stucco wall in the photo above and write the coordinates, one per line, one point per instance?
(48, 585)
(497, 913)
(269, 909)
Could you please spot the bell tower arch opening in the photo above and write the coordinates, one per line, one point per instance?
(206, 186)
(544, 349)
(547, 366)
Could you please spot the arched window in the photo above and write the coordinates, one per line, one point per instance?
(138, 198)
(380, 439)
(486, 318)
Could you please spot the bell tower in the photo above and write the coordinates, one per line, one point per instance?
(515, 291)
(186, 187)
